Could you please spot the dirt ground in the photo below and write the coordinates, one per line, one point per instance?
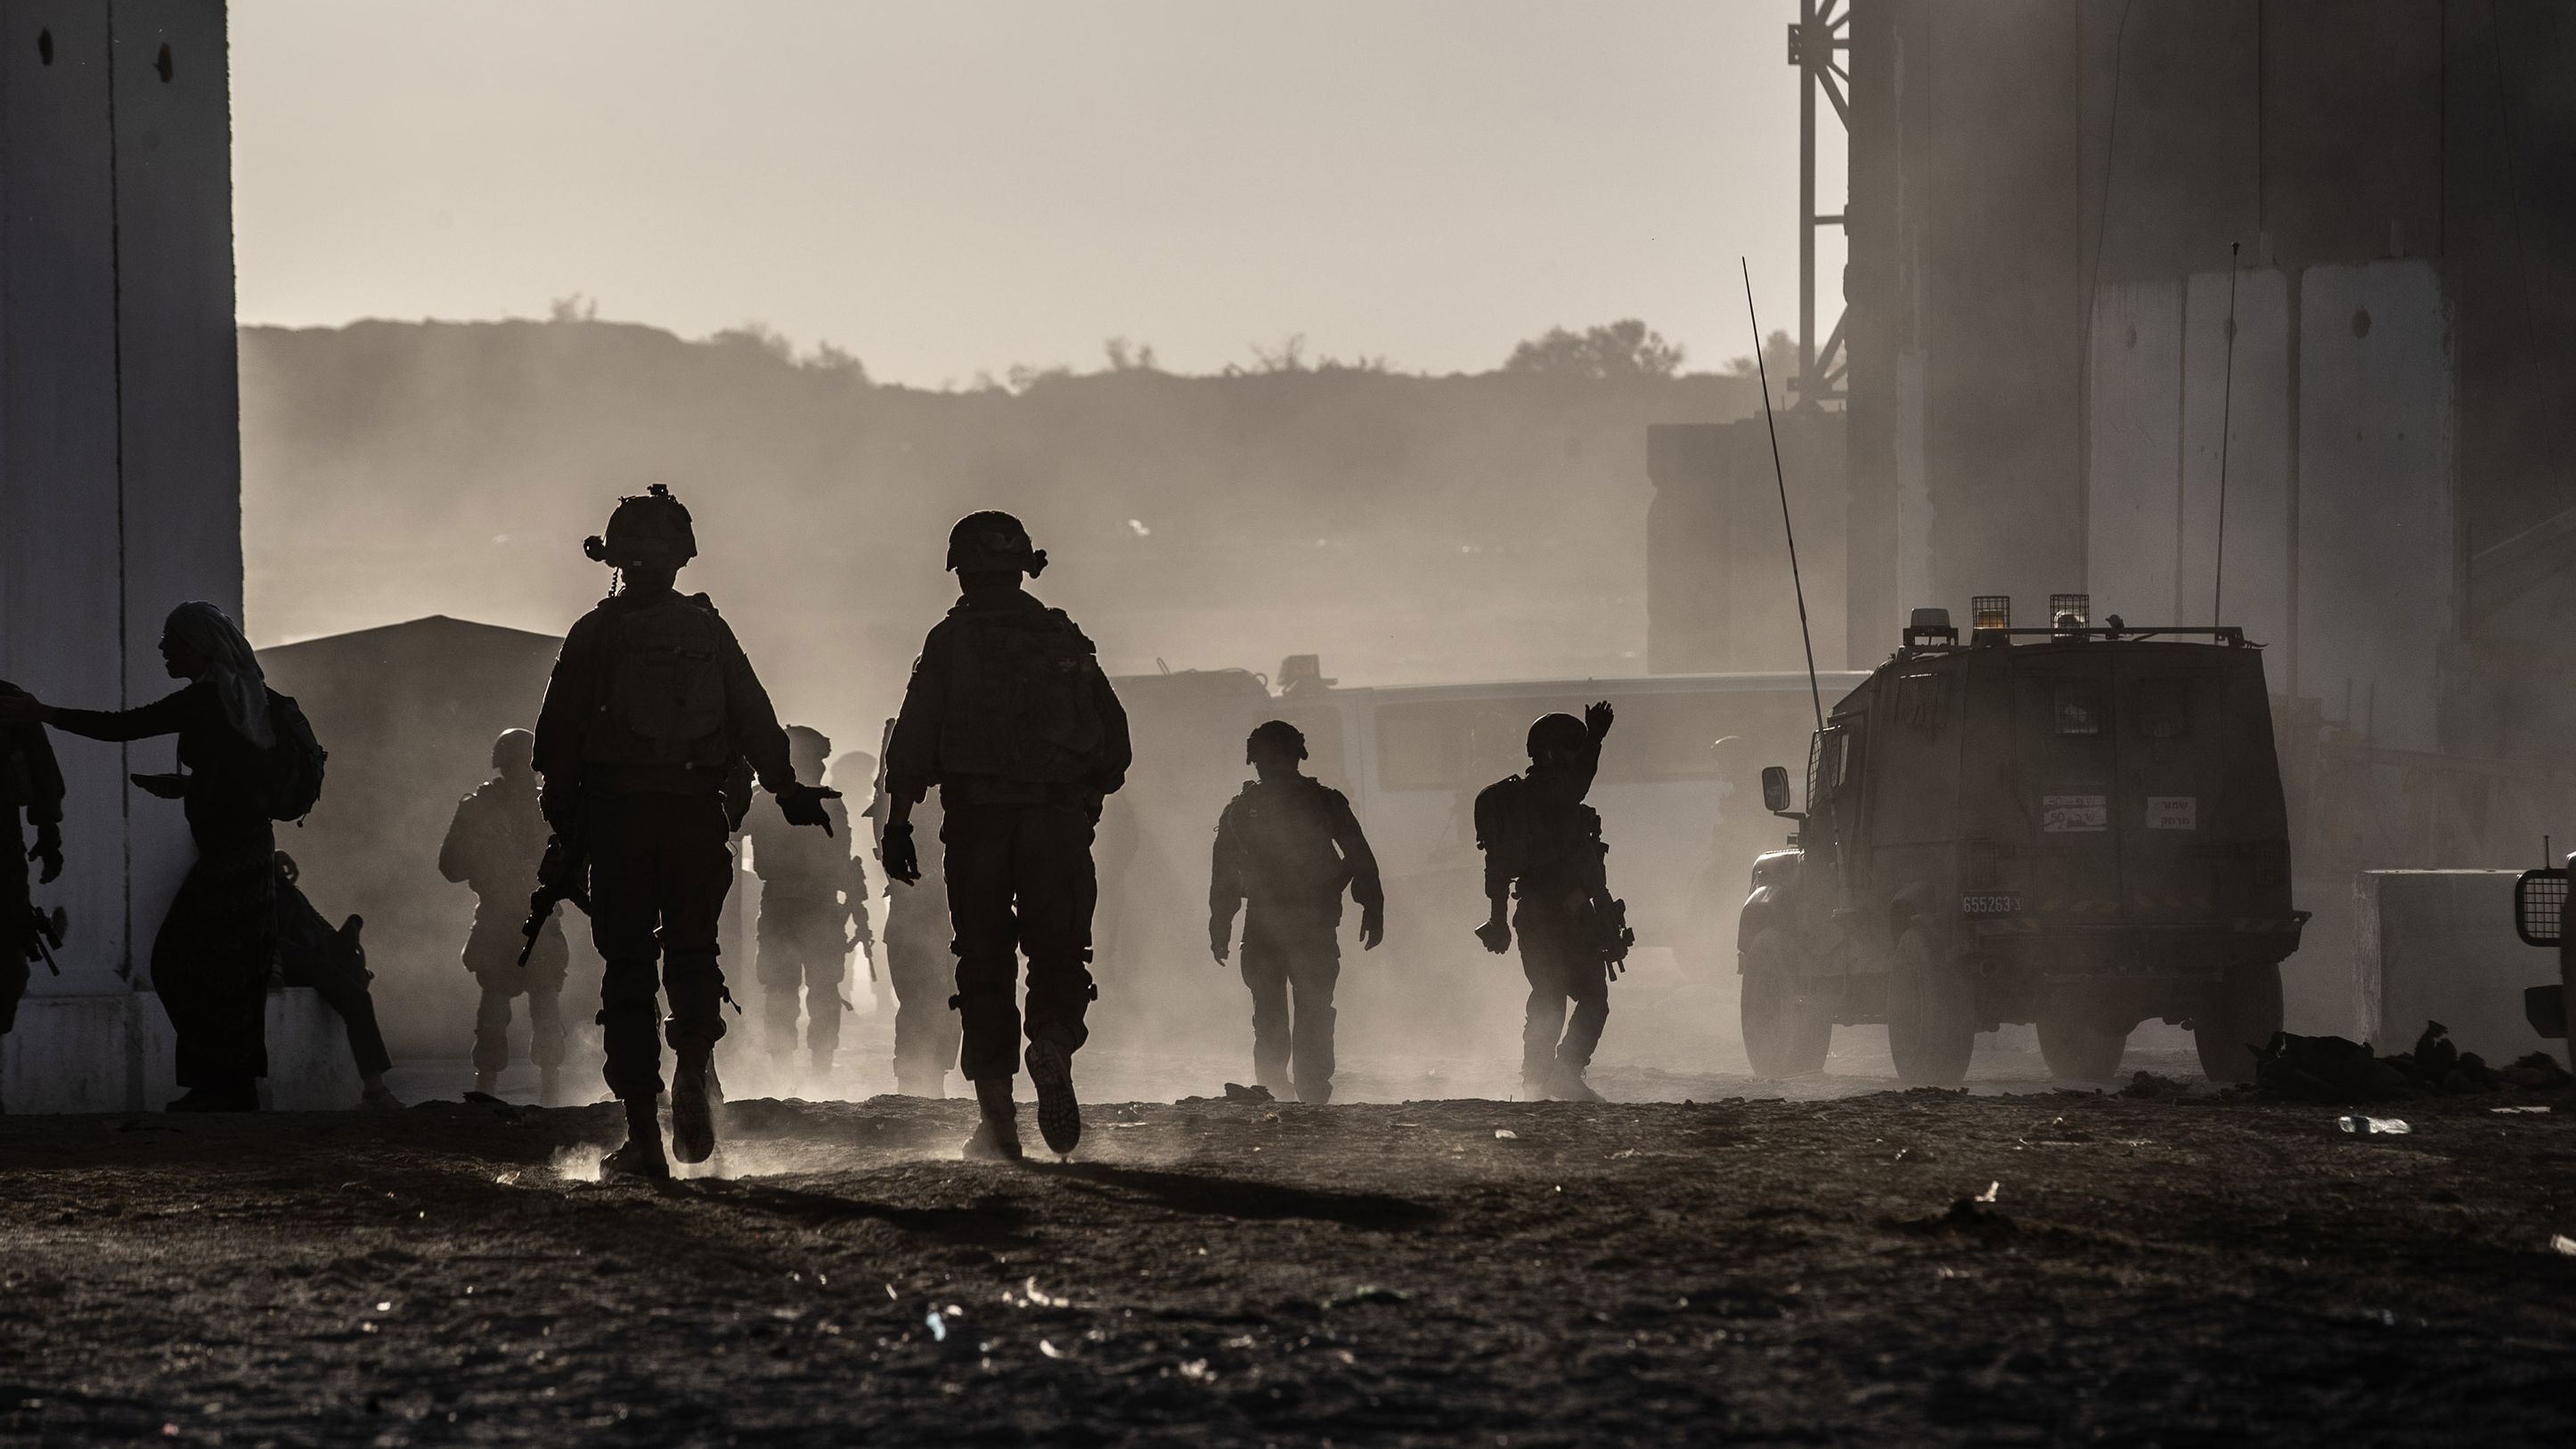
(1812, 1271)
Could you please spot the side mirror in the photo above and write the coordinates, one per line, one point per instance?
(1775, 789)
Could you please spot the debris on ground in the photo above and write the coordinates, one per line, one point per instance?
(2327, 1069)
(2361, 1126)
(1238, 1092)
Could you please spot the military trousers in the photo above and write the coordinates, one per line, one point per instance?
(659, 871)
(1020, 880)
(492, 957)
(341, 982)
(1292, 958)
(1564, 971)
(922, 968)
(212, 957)
(804, 952)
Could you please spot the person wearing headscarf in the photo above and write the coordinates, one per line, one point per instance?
(211, 959)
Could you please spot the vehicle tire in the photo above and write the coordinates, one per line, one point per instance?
(2080, 1046)
(2242, 1013)
(1931, 1016)
(1784, 1034)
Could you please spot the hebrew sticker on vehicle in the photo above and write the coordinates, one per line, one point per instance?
(2074, 814)
(2173, 812)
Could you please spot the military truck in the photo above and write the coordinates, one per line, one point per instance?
(2076, 826)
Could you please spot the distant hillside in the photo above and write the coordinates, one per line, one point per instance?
(1406, 527)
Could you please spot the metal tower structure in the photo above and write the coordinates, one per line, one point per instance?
(1816, 40)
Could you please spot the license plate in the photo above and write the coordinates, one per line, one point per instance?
(1996, 904)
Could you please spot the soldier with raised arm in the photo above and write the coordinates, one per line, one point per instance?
(1543, 845)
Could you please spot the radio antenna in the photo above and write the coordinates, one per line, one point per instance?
(2226, 405)
(1815, 695)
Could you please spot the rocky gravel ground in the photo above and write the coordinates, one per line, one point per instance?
(2051, 1267)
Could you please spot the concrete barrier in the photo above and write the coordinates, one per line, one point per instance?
(115, 1054)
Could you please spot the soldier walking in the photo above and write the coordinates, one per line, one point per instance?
(813, 909)
(1286, 848)
(1542, 843)
(31, 786)
(651, 707)
(1010, 717)
(494, 844)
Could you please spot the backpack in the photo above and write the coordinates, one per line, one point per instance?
(1026, 697)
(665, 668)
(1287, 837)
(291, 768)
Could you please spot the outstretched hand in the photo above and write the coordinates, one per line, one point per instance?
(1597, 717)
(803, 805)
(48, 849)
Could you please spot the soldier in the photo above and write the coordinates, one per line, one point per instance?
(1539, 836)
(813, 909)
(1009, 715)
(31, 783)
(494, 844)
(651, 707)
(919, 962)
(1285, 849)
(850, 772)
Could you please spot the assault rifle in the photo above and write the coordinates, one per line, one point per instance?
(1606, 926)
(559, 879)
(45, 935)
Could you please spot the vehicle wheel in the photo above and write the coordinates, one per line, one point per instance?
(1931, 1019)
(2238, 1021)
(1784, 1035)
(2081, 1046)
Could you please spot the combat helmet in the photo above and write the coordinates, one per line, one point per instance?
(1557, 732)
(1277, 735)
(991, 542)
(648, 528)
(514, 748)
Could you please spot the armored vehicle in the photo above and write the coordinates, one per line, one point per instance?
(2075, 826)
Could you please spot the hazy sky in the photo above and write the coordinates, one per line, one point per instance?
(951, 186)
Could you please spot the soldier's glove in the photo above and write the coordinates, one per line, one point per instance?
(1496, 936)
(1597, 718)
(48, 849)
(803, 805)
(1372, 928)
(1220, 940)
(896, 854)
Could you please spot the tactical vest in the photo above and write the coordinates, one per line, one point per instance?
(1286, 835)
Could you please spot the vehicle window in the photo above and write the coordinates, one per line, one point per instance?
(1824, 766)
(2078, 708)
(2161, 709)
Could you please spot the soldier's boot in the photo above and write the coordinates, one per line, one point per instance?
(1059, 1115)
(1315, 1093)
(1569, 1085)
(1537, 1086)
(997, 1132)
(695, 1095)
(487, 1083)
(641, 1157)
(821, 1070)
(549, 1087)
(933, 1085)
